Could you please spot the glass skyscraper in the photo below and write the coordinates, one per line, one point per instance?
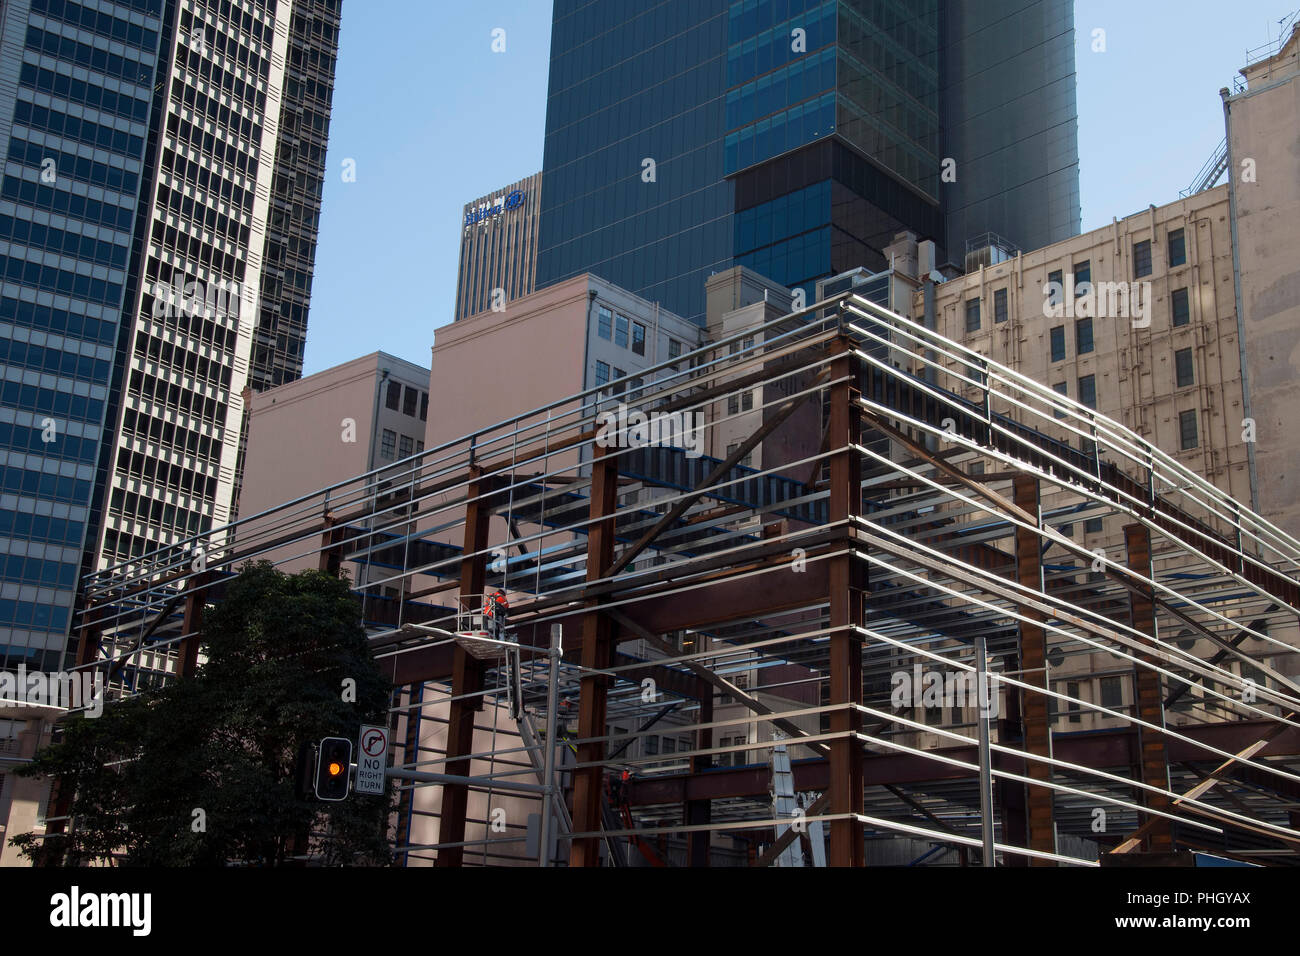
(164, 163)
(76, 82)
(797, 137)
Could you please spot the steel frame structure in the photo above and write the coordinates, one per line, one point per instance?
(913, 509)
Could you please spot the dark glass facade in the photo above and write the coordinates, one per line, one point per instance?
(76, 81)
(633, 81)
(836, 120)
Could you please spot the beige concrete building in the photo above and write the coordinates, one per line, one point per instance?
(327, 428)
(578, 334)
(1183, 323)
(1263, 131)
(23, 730)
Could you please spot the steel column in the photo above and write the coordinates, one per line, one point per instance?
(188, 661)
(466, 679)
(330, 559)
(701, 811)
(1148, 698)
(550, 806)
(1033, 662)
(597, 652)
(847, 579)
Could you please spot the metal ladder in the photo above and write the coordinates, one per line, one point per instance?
(786, 805)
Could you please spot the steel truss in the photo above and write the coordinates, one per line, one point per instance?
(914, 508)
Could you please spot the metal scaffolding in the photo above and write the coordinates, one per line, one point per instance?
(988, 624)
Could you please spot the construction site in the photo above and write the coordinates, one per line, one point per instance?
(870, 632)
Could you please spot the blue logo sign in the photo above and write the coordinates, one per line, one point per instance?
(513, 200)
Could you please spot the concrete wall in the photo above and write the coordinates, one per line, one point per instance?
(1264, 176)
(1134, 369)
(22, 799)
(1133, 366)
(319, 430)
(494, 365)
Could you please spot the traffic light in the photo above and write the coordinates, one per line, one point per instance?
(333, 768)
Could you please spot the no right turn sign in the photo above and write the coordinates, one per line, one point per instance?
(372, 758)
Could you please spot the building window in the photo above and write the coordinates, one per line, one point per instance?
(405, 446)
(602, 373)
(999, 306)
(424, 406)
(1082, 277)
(638, 338)
(604, 323)
(1142, 258)
(1072, 706)
(744, 402)
(394, 398)
(1092, 526)
(1181, 306)
(1088, 391)
(620, 331)
(1064, 390)
(1187, 430)
(1056, 287)
(972, 315)
(1183, 368)
(1177, 248)
(419, 446)
(651, 746)
(388, 445)
(674, 349)
(1058, 343)
(1112, 692)
(1082, 336)
(410, 400)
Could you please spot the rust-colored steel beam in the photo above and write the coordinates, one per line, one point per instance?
(597, 651)
(1107, 749)
(91, 633)
(1276, 730)
(697, 812)
(466, 678)
(330, 559)
(847, 585)
(1153, 759)
(1033, 663)
(188, 661)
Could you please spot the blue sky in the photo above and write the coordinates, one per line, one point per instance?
(433, 118)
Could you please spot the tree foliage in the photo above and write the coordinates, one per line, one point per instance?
(203, 772)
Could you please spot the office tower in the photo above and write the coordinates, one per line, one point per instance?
(229, 224)
(76, 82)
(1010, 120)
(798, 137)
(498, 247)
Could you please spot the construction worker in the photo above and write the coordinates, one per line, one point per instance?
(495, 608)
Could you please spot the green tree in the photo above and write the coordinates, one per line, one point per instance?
(203, 772)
